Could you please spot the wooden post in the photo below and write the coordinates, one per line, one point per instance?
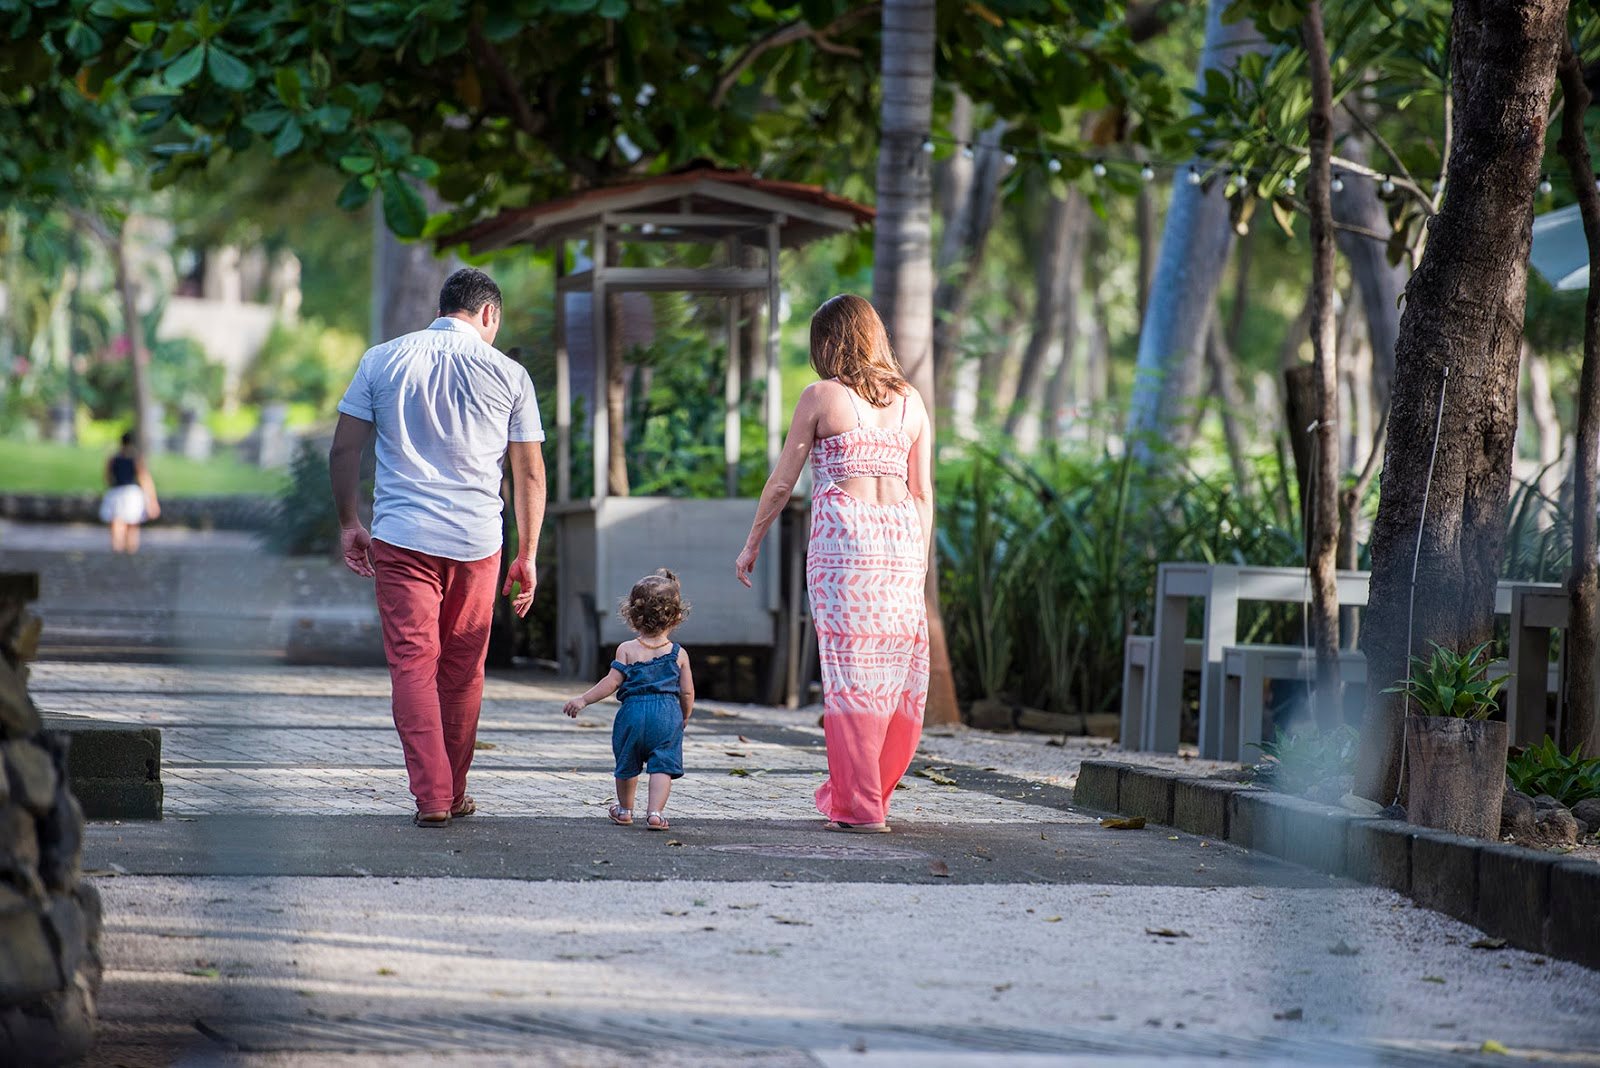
(1456, 774)
(563, 384)
(600, 431)
(774, 337)
(732, 386)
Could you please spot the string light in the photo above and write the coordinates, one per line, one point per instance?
(1099, 169)
(1147, 172)
(1288, 186)
(1338, 182)
(1240, 182)
(1193, 177)
(1386, 187)
(1010, 159)
(966, 152)
(927, 146)
(1545, 187)
(1054, 166)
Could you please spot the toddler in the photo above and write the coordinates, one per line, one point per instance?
(657, 692)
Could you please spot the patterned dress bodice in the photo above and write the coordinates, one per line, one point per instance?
(861, 451)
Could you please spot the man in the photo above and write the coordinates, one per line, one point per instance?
(446, 405)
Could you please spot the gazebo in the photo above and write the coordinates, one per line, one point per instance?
(603, 541)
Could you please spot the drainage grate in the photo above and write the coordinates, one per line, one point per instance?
(526, 1032)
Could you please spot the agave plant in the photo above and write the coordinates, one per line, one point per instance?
(1545, 769)
(1452, 684)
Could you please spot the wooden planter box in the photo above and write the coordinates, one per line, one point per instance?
(1456, 774)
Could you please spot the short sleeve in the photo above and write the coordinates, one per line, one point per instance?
(357, 400)
(525, 422)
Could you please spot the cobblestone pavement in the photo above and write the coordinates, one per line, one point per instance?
(289, 914)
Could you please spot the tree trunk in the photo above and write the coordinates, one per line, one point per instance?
(1052, 303)
(1461, 328)
(1322, 535)
(147, 438)
(1380, 282)
(1230, 403)
(902, 273)
(1194, 249)
(961, 249)
(616, 396)
(1583, 630)
(1069, 385)
(1144, 220)
(406, 277)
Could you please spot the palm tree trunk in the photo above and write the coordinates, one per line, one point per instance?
(902, 274)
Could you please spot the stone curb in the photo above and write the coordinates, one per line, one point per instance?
(1534, 900)
(114, 769)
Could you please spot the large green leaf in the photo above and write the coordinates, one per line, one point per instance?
(183, 70)
(403, 207)
(227, 70)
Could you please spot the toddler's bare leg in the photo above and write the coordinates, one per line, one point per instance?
(627, 790)
(660, 787)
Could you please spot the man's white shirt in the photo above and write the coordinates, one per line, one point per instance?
(444, 404)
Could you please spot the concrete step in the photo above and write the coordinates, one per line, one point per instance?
(114, 768)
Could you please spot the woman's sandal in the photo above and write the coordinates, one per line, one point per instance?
(622, 817)
(656, 821)
(856, 828)
(436, 819)
(467, 807)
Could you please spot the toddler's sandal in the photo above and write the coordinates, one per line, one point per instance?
(657, 822)
(622, 817)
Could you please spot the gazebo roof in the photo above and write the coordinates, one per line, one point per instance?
(713, 203)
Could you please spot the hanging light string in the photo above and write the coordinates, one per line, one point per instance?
(1195, 170)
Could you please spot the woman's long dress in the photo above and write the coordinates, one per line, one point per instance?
(864, 573)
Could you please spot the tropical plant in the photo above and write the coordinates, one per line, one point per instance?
(1453, 684)
(1294, 762)
(1544, 769)
(305, 523)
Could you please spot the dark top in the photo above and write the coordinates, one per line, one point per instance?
(124, 472)
(656, 676)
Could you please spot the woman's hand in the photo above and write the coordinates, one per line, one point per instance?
(746, 563)
(573, 707)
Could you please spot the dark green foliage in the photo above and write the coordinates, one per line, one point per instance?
(306, 523)
(1294, 762)
(1047, 563)
(1455, 684)
(1544, 769)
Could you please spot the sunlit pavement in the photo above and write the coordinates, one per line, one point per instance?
(287, 912)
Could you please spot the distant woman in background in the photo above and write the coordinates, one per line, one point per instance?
(130, 497)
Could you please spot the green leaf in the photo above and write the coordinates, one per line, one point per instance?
(267, 121)
(228, 71)
(185, 68)
(290, 90)
(143, 32)
(354, 195)
(403, 208)
(421, 167)
(83, 40)
(612, 9)
(357, 164)
(288, 139)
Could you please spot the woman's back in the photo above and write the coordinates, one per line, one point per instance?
(863, 449)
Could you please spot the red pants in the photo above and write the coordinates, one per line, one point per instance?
(435, 614)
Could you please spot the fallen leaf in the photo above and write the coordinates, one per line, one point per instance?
(387, 971)
(1433, 979)
(1166, 932)
(1052, 919)
(483, 745)
(934, 777)
(673, 842)
(735, 753)
(1290, 1014)
(1123, 823)
(744, 740)
(939, 868)
(741, 772)
(1172, 838)
(751, 905)
(208, 972)
(901, 786)
(1001, 988)
(1343, 949)
(790, 921)
(1491, 1046)
(674, 912)
(1487, 943)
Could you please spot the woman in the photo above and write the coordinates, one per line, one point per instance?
(866, 431)
(130, 497)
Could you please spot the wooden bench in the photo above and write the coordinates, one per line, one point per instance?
(1136, 656)
(1245, 672)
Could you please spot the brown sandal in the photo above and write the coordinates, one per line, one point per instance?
(435, 820)
(467, 807)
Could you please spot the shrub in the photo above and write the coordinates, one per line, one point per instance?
(1544, 769)
(1452, 684)
(306, 523)
(1295, 762)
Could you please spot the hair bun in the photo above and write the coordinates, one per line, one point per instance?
(668, 574)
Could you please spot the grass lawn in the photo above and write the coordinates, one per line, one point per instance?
(42, 467)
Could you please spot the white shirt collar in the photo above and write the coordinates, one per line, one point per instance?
(446, 322)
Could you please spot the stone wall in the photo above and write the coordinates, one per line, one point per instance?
(243, 512)
(49, 915)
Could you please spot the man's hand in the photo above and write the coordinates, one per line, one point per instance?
(354, 543)
(521, 572)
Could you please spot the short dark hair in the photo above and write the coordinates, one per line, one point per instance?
(127, 438)
(655, 605)
(468, 290)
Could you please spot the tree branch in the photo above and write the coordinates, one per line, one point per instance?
(1378, 139)
(786, 35)
(527, 120)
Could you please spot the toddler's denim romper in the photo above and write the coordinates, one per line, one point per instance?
(648, 730)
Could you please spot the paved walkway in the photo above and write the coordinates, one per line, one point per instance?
(287, 912)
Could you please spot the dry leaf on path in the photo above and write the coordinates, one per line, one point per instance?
(1491, 1046)
(1342, 948)
(1166, 932)
(1123, 823)
(1487, 943)
(483, 745)
(673, 842)
(939, 868)
(734, 753)
(1052, 919)
(1290, 1014)
(1433, 979)
(387, 971)
(741, 772)
(790, 921)
(933, 776)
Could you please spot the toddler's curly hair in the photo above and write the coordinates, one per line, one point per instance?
(655, 605)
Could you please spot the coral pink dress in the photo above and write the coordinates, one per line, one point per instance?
(864, 573)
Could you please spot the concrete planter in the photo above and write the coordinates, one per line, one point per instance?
(1456, 774)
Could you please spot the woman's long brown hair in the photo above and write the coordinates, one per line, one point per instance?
(848, 342)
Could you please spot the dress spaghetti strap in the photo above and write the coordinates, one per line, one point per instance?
(905, 404)
(851, 393)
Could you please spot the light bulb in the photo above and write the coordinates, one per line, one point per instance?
(1386, 186)
(927, 146)
(1338, 184)
(1288, 186)
(1098, 170)
(966, 152)
(1239, 182)
(1010, 159)
(1054, 166)
(1147, 172)
(1545, 188)
(1193, 177)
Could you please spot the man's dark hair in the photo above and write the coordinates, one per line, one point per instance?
(468, 290)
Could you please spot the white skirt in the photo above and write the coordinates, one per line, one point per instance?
(123, 504)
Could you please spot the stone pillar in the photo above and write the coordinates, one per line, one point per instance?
(49, 916)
